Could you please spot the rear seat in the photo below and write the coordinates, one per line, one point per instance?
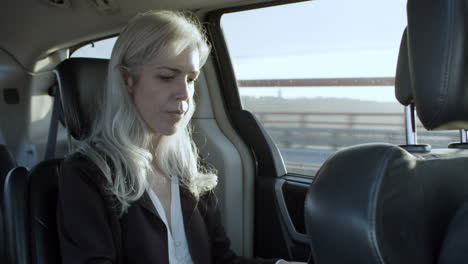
(7, 163)
(30, 198)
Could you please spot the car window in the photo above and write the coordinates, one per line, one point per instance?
(99, 49)
(319, 83)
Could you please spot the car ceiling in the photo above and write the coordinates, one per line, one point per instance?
(33, 29)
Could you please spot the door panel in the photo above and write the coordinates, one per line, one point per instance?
(279, 199)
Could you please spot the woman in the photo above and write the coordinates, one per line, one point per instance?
(135, 192)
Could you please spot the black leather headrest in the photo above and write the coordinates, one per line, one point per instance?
(81, 82)
(403, 92)
(436, 43)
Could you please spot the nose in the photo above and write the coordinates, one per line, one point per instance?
(183, 90)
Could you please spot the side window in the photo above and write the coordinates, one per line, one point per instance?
(319, 83)
(99, 49)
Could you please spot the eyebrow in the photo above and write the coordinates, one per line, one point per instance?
(176, 69)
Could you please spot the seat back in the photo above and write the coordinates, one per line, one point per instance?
(42, 200)
(31, 198)
(456, 238)
(7, 163)
(378, 203)
(16, 216)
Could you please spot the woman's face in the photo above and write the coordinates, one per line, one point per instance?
(163, 91)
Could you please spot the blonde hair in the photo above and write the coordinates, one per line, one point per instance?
(120, 143)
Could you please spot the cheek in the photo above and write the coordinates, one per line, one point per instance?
(145, 100)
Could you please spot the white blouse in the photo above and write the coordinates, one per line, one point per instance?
(176, 239)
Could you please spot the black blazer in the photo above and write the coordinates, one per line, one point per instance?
(91, 231)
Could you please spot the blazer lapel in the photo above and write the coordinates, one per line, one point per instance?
(195, 229)
(146, 203)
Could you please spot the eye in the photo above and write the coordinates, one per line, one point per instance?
(166, 78)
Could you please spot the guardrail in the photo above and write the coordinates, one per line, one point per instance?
(307, 139)
(336, 138)
(341, 119)
(337, 130)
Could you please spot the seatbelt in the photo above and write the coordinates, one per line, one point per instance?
(52, 137)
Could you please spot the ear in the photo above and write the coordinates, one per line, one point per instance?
(128, 81)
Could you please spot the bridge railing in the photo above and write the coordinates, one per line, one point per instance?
(337, 130)
(306, 140)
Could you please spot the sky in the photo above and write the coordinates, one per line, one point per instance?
(313, 39)
(318, 39)
(320, 27)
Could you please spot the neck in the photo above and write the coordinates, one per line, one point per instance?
(154, 143)
(158, 177)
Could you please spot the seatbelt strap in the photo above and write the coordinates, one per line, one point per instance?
(52, 137)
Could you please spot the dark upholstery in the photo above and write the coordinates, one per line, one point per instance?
(79, 79)
(454, 250)
(377, 203)
(31, 198)
(15, 200)
(42, 203)
(7, 163)
(403, 91)
(437, 55)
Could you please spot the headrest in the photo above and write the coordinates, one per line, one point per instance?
(393, 208)
(436, 49)
(403, 92)
(81, 83)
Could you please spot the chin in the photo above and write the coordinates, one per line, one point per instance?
(167, 131)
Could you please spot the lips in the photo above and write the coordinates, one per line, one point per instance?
(179, 112)
(176, 114)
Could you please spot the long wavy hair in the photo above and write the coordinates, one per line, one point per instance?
(120, 143)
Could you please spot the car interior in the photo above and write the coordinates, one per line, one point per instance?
(304, 175)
